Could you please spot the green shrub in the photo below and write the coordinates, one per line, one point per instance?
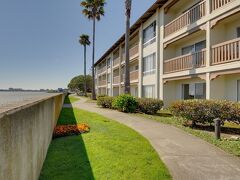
(205, 111)
(149, 106)
(89, 95)
(125, 103)
(105, 101)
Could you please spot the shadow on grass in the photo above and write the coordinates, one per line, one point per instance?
(227, 130)
(164, 114)
(67, 157)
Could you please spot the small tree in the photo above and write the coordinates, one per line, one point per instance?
(77, 83)
(84, 40)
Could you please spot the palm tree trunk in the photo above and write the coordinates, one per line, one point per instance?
(85, 75)
(127, 73)
(93, 61)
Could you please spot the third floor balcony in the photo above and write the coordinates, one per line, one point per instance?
(133, 53)
(226, 52)
(188, 17)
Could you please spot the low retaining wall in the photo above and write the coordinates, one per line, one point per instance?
(25, 134)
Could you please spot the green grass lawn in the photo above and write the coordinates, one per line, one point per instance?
(165, 117)
(70, 99)
(110, 151)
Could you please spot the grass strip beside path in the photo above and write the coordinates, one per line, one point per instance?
(70, 99)
(110, 151)
(232, 147)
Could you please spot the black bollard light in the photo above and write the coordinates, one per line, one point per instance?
(217, 122)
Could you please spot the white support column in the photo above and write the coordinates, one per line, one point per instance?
(120, 60)
(157, 83)
(208, 34)
(208, 86)
(208, 50)
(208, 7)
(161, 51)
(140, 66)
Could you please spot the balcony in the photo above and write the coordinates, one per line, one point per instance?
(101, 70)
(116, 80)
(102, 83)
(187, 18)
(215, 4)
(185, 62)
(133, 76)
(116, 61)
(133, 52)
(225, 52)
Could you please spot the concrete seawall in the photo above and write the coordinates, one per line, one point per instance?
(25, 134)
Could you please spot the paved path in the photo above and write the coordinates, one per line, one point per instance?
(186, 156)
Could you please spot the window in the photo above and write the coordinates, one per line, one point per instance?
(149, 64)
(238, 90)
(194, 48)
(109, 78)
(149, 33)
(238, 32)
(149, 91)
(109, 63)
(194, 91)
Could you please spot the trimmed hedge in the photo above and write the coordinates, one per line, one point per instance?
(149, 106)
(125, 103)
(205, 111)
(105, 101)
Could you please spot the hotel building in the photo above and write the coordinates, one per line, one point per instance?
(179, 49)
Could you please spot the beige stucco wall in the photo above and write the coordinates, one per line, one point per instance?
(173, 89)
(25, 134)
(225, 87)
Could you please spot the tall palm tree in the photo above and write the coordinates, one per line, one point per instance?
(93, 10)
(128, 4)
(84, 40)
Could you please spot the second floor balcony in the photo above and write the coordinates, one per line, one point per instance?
(133, 76)
(116, 80)
(102, 83)
(185, 62)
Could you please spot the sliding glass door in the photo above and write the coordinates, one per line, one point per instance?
(194, 91)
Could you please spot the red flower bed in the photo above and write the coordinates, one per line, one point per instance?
(70, 130)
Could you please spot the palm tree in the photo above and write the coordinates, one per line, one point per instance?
(128, 4)
(84, 40)
(93, 10)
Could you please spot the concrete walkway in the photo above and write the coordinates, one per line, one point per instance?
(186, 156)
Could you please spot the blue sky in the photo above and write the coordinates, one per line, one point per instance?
(39, 39)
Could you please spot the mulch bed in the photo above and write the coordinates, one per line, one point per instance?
(70, 130)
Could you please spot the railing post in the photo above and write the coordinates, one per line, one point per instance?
(217, 122)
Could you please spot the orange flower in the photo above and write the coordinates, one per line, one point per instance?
(70, 130)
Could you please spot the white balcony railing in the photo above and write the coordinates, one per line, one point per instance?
(189, 17)
(116, 80)
(133, 76)
(132, 53)
(226, 52)
(215, 4)
(185, 62)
